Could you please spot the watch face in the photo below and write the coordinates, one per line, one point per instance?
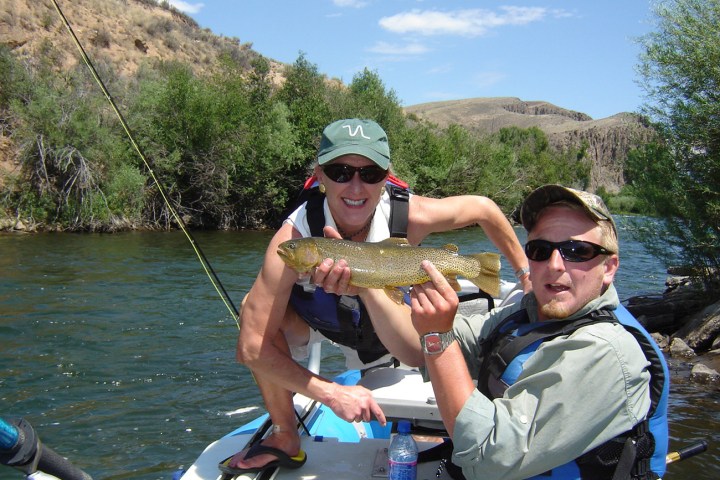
(433, 343)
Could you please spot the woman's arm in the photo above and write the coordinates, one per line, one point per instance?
(263, 347)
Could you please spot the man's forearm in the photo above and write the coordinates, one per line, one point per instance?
(451, 383)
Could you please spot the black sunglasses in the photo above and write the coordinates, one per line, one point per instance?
(570, 250)
(342, 173)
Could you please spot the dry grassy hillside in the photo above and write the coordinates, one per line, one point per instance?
(125, 32)
(609, 139)
(492, 114)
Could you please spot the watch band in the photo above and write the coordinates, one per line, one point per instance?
(522, 272)
(436, 342)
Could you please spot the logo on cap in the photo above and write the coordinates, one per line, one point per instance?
(358, 128)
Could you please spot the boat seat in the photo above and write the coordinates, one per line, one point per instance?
(402, 394)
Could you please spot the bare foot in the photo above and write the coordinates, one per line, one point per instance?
(288, 442)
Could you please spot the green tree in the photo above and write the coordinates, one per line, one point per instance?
(370, 99)
(523, 160)
(270, 164)
(681, 176)
(305, 93)
(178, 118)
(64, 135)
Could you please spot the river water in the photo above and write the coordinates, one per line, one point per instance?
(120, 353)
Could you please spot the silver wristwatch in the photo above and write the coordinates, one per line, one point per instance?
(436, 342)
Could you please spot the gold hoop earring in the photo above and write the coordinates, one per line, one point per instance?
(322, 188)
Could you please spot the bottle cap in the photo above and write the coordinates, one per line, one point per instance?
(404, 426)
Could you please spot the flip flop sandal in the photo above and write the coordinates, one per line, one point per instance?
(283, 460)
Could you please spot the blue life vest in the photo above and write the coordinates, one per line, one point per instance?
(637, 454)
(342, 318)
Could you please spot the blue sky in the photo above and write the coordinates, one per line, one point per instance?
(577, 54)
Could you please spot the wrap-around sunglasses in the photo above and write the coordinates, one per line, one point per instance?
(343, 173)
(570, 250)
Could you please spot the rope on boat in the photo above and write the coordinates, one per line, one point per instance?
(209, 271)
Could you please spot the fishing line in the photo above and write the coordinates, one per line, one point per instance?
(209, 271)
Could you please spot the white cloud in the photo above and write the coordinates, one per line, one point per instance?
(186, 7)
(385, 48)
(468, 23)
(350, 3)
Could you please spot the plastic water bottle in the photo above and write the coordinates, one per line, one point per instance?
(403, 454)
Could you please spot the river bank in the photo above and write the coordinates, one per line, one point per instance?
(685, 322)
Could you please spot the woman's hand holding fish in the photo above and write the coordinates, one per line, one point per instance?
(433, 303)
(334, 277)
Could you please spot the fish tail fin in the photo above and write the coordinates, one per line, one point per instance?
(489, 278)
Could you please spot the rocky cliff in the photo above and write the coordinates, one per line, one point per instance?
(607, 141)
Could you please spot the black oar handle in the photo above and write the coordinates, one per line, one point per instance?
(55, 464)
(687, 452)
(21, 448)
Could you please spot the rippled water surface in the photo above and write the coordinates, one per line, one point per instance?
(120, 353)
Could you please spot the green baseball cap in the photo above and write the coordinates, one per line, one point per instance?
(355, 136)
(546, 195)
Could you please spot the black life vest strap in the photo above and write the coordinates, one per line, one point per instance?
(315, 210)
(503, 348)
(544, 332)
(657, 374)
(492, 343)
(368, 346)
(399, 210)
(626, 461)
(443, 453)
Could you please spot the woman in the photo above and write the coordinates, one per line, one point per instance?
(352, 170)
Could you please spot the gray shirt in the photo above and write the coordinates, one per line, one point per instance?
(574, 393)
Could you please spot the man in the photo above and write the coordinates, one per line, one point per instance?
(549, 400)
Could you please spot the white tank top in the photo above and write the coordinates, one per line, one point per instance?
(379, 229)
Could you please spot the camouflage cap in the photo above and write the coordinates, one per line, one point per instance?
(355, 136)
(549, 194)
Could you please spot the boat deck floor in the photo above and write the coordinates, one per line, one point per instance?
(328, 459)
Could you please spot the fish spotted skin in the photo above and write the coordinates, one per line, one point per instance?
(393, 262)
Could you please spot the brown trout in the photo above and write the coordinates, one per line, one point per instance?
(393, 263)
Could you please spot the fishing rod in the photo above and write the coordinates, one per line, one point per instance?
(20, 447)
(209, 271)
